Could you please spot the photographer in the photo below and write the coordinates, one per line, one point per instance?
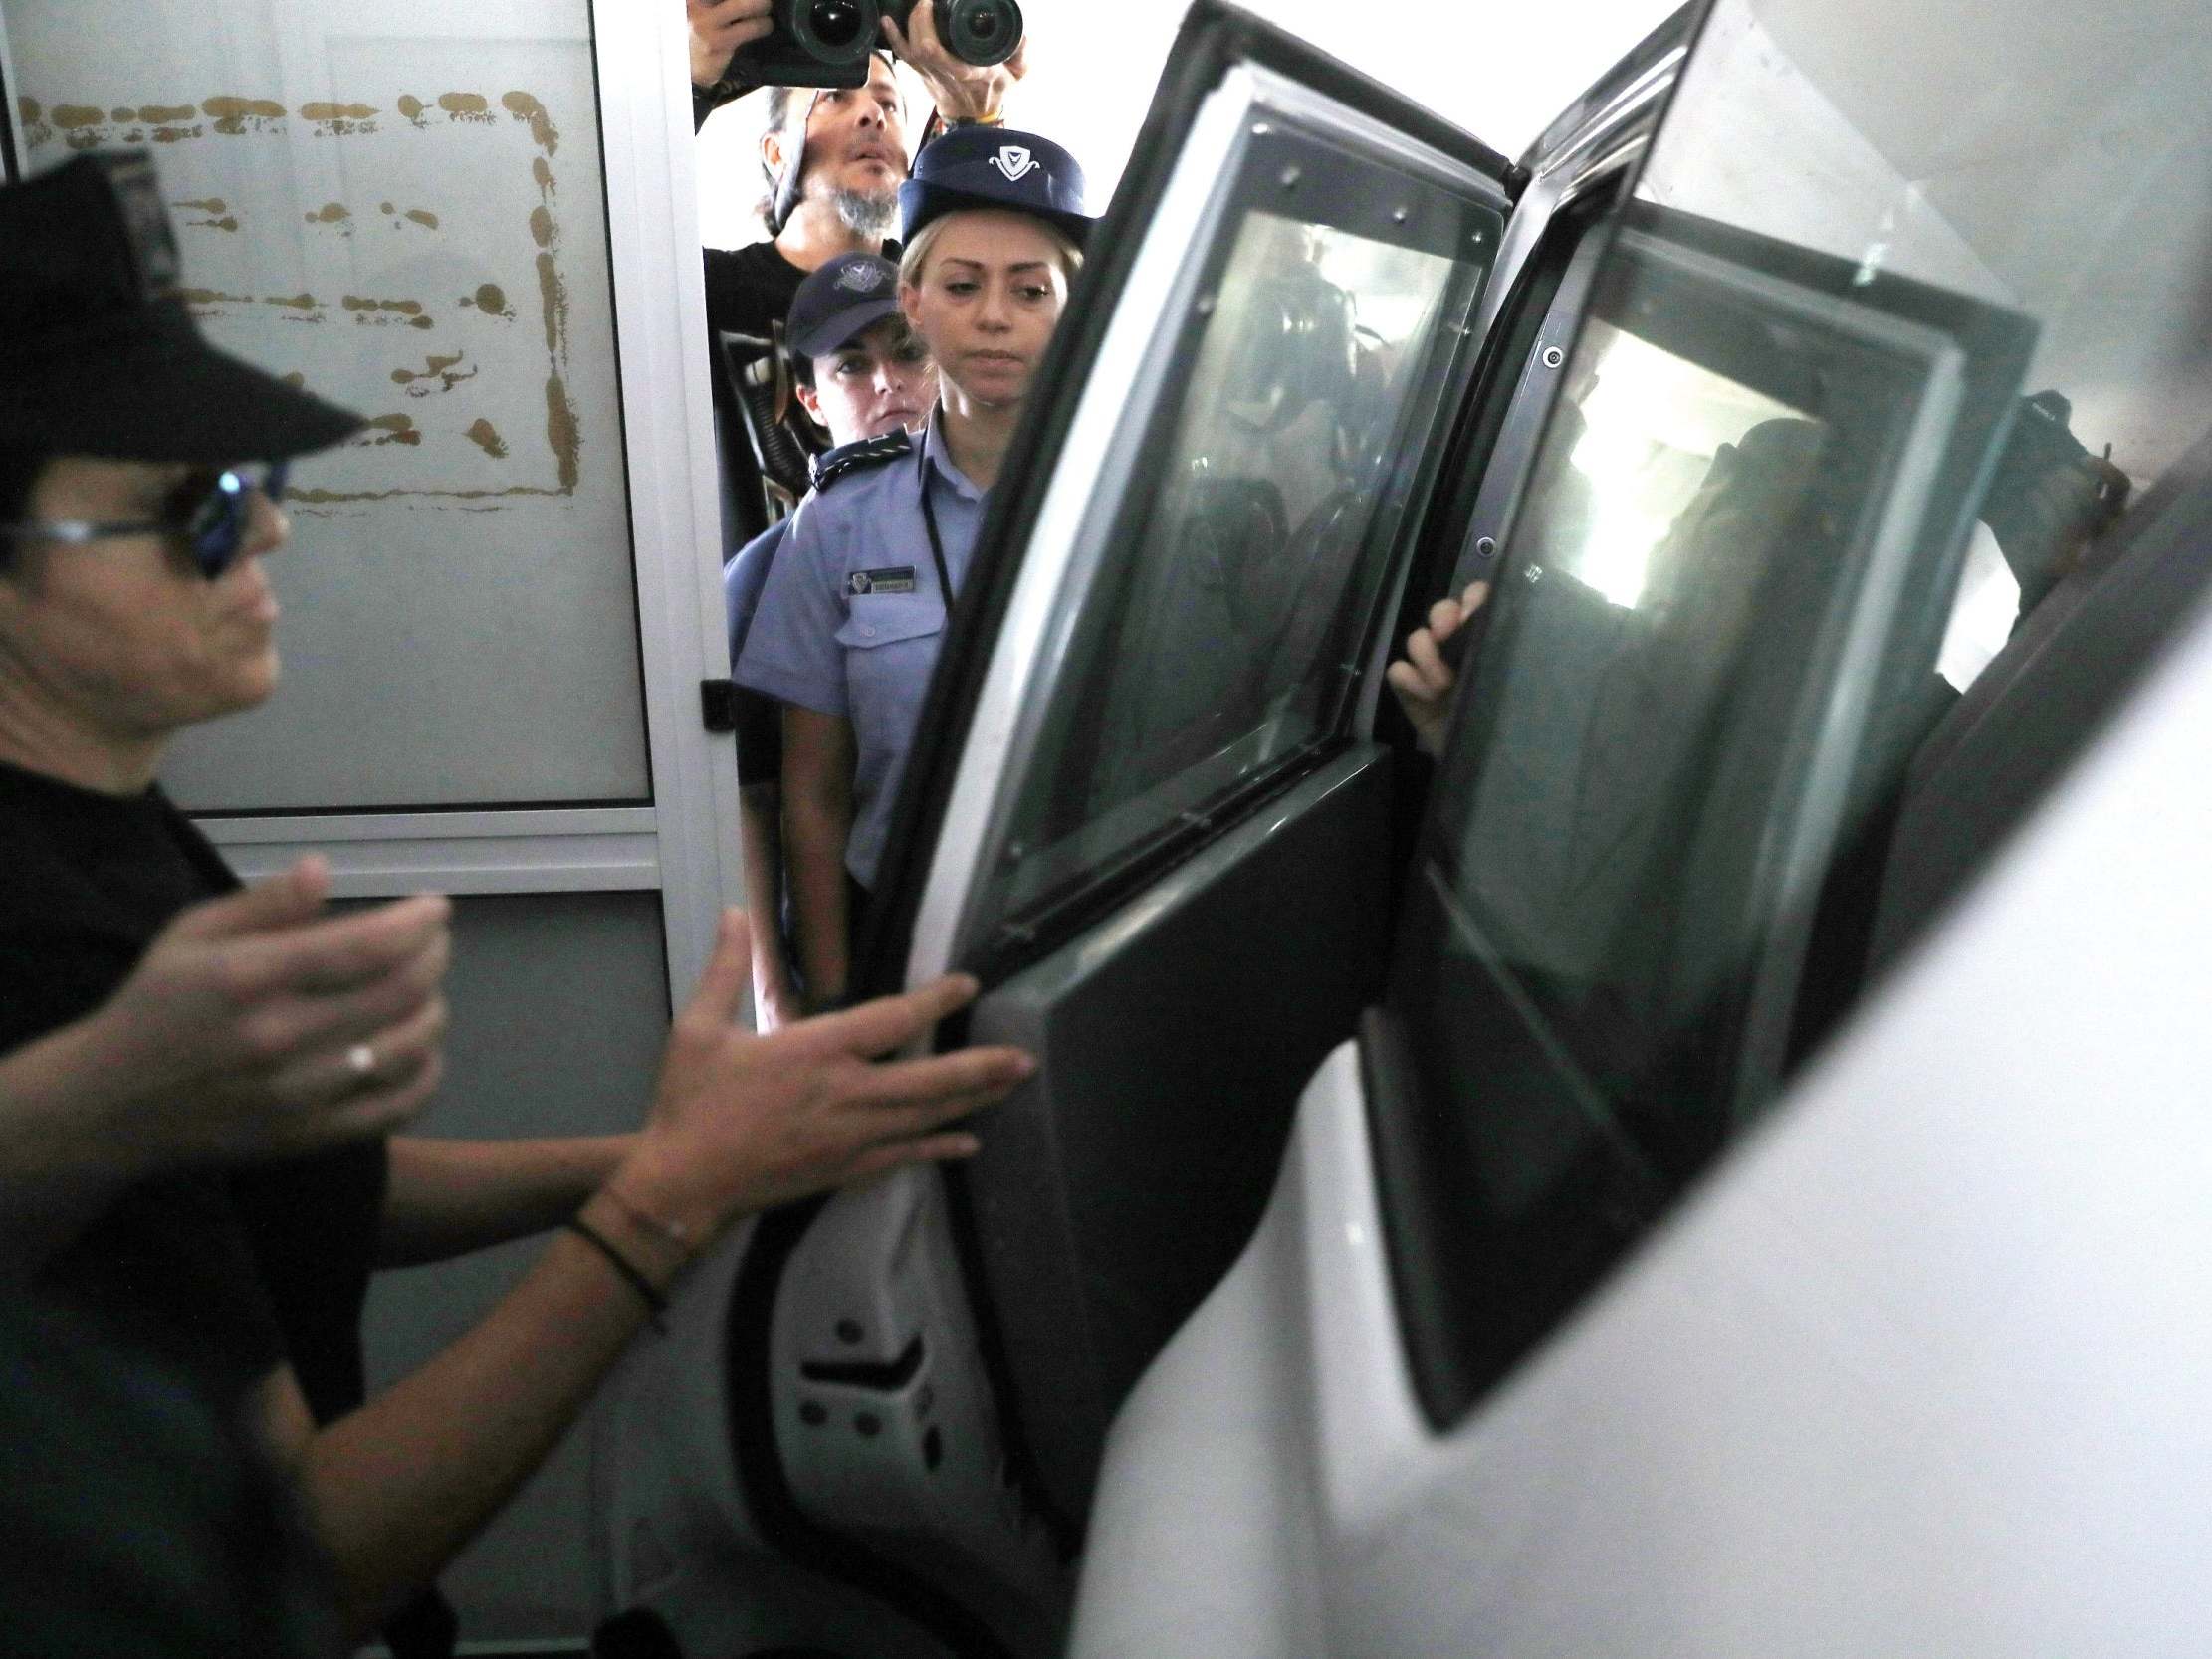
(834, 157)
(833, 160)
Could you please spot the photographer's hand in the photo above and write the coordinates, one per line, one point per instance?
(961, 91)
(718, 29)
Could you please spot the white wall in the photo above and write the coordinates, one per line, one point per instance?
(1506, 71)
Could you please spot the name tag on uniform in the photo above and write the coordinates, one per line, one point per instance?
(893, 579)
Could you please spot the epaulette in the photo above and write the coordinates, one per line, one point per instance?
(832, 465)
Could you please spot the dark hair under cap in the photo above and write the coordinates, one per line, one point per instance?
(99, 355)
(995, 168)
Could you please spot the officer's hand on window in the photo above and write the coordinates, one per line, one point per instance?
(961, 91)
(1422, 680)
(718, 28)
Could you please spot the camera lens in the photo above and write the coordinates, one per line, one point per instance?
(979, 31)
(834, 22)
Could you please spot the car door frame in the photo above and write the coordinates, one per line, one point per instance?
(939, 822)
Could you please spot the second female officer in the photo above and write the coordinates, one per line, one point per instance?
(854, 613)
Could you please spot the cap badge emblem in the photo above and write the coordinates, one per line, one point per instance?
(1015, 161)
(860, 279)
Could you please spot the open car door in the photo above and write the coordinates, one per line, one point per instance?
(1591, 1315)
(1146, 810)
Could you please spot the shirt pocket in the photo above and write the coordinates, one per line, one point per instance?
(890, 642)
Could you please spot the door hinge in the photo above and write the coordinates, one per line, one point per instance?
(717, 705)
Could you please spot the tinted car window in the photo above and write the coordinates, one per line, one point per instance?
(1219, 644)
(1696, 606)
(1886, 353)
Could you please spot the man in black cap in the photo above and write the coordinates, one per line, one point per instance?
(861, 374)
(132, 603)
(135, 603)
(118, 429)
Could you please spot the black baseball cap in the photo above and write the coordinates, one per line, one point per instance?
(995, 168)
(99, 355)
(852, 292)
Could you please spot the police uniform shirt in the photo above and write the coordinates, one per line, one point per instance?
(853, 615)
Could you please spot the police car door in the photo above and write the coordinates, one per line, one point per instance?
(1144, 811)
(1538, 1351)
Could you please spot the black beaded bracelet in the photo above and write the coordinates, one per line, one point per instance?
(656, 1302)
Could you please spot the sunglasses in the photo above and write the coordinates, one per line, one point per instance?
(210, 512)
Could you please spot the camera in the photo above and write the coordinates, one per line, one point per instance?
(975, 31)
(827, 42)
(815, 43)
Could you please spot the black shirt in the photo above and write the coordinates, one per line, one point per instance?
(225, 1272)
(750, 290)
(140, 1519)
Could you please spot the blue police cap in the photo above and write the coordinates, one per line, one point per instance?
(995, 168)
(852, 292)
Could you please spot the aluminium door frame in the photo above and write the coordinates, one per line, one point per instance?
(12, 144)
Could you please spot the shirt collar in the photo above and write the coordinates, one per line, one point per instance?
(935, 454)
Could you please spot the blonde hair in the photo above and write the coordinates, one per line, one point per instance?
(915, 257)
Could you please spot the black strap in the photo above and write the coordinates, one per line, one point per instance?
(929, 521)
(656, 1305)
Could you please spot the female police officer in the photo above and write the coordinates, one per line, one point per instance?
(851, 624)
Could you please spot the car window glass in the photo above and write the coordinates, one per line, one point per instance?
(1664, 508)
(1766, 545)
(1715, 499)
(2058, 170)
(1221, 640)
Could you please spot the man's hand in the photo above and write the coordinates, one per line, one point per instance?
(741, 1123)
(718, 28)
(1422, 680)
(961, 90)
(254, 1027)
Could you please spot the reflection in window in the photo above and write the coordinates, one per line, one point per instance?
(1612, 968)
(1666, 567)
(1223, 634)
(2058, 169)
(1645, 426)
(1658, 718)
